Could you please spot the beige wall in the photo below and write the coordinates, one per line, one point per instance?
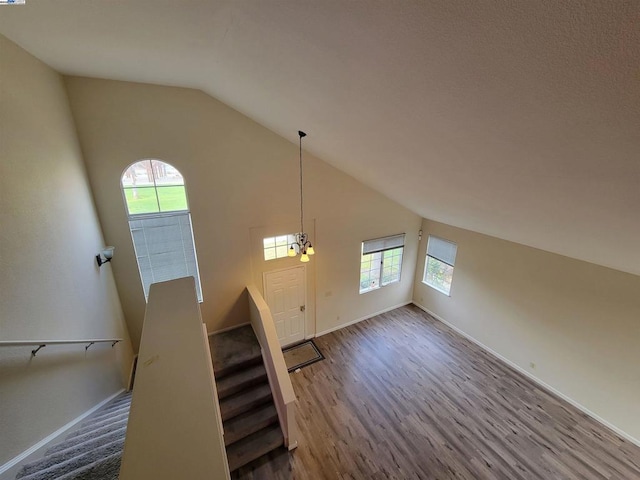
(579, 323)
(50, 286)
(242, 182)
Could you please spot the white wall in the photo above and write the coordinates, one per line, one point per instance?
(242, 182)
(50, 286)
(579, 323)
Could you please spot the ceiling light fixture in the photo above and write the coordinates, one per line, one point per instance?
(302, 244)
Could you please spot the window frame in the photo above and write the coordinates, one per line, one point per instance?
(155, 186)
(132, 217)
(393, 239)
(291, 239)
(442, 261)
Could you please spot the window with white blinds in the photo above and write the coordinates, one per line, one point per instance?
(438, 269)
(165, 249)
(160, 223)
(381, 262)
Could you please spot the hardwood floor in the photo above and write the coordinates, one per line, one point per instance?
(403, 396)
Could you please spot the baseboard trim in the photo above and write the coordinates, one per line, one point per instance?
(366, 317)
(535, 379)
(228, 329)
(50, 438)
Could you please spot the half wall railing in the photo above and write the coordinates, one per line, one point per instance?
(175, 428)
(281, 387)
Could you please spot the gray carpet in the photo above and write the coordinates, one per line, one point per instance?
(92, 452)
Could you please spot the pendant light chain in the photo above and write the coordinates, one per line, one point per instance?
(301, 198)
(301, 244)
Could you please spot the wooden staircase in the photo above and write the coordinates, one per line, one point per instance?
(249, 417)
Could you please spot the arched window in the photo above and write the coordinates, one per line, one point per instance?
(160, 223)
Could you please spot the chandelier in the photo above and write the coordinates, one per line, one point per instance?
(301, 244)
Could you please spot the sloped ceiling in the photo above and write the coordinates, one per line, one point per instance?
(516, 119)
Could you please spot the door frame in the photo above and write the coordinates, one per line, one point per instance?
(304, 289)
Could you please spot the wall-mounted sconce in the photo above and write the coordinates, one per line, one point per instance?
(107, 252)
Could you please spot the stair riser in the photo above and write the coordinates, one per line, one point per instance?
(233, 389)
(253, 447)
(237, 436)
(118, 411)
(223, 372)
(235, 410)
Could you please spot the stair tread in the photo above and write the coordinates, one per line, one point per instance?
(241, 379)
(254, 446)
(244, 401)
(235, 364)
(250, 422)
(102, 422)
(110, 414)
(234, 349)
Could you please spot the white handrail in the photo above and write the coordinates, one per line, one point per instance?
(44, 343)
(284, 396)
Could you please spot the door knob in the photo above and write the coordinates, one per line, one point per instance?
(302, 308)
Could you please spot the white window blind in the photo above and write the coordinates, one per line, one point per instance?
(164, 248)
(382, 244)
(442, 250)
(381, 262)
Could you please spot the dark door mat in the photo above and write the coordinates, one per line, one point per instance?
(301, 355)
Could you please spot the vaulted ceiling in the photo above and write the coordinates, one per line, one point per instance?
(516, 119)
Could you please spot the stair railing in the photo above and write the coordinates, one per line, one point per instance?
(283, 394)
(43, 343)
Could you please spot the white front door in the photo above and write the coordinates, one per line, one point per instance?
(285, 295)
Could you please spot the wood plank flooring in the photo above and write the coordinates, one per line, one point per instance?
(402, 396)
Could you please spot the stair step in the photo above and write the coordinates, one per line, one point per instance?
(240, 380)
(98, 430)
(101, 416)
(235, 365)
(123, 400)
(254, 446)
(233, 350)
(102, 422)
(71, 441)
(244, 401)
(66, 449)
(248, 423)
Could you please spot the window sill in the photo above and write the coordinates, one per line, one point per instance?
(369, 290)
(444, 292)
